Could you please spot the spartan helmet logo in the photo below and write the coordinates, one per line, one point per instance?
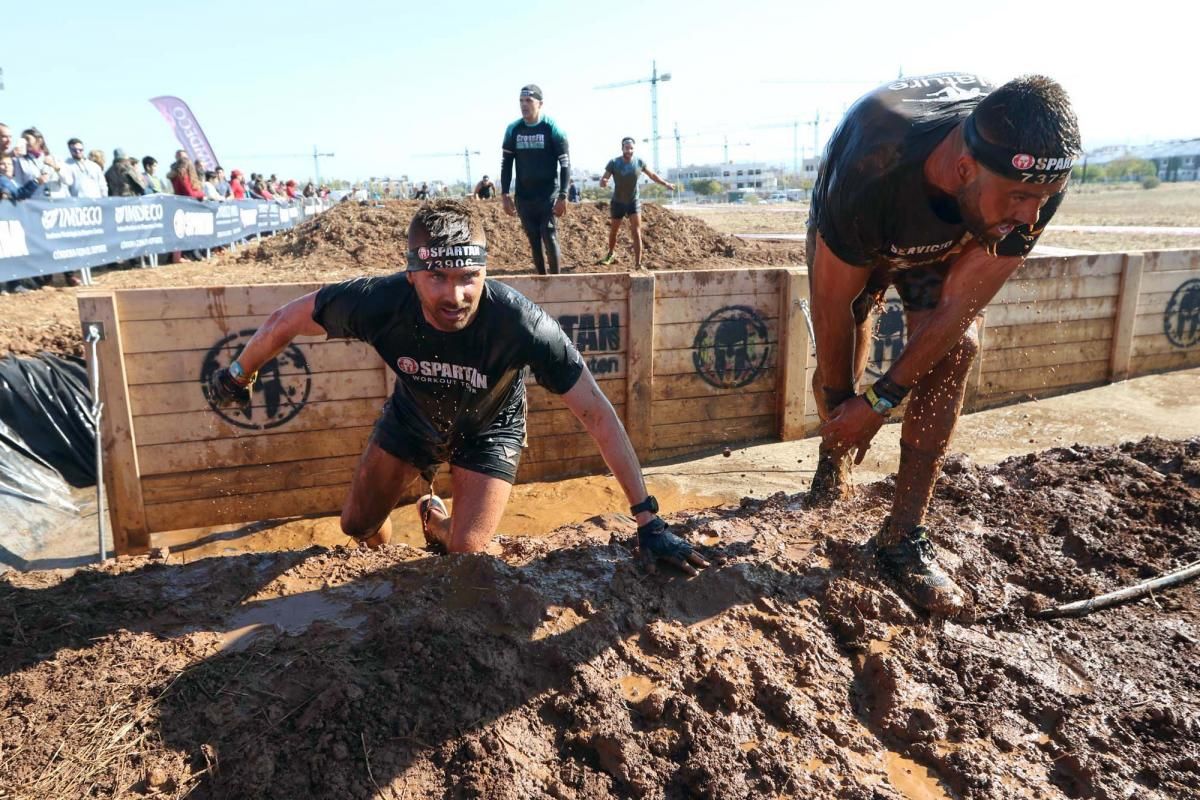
(1181, 318)
(730, 348)
(1022, 161)
(284, 384)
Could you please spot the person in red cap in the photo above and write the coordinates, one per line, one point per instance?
(237, 185)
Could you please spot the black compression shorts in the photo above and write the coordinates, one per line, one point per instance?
(496, 453)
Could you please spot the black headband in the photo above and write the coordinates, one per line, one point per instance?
(447, 256)
(627, 139)
(1012, 164)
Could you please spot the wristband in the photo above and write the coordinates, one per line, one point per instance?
(880, 405)
(891, 391)
(238, 373)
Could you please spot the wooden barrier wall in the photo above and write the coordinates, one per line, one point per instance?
(690, 361)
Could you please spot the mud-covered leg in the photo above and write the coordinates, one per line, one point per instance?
(903, 546)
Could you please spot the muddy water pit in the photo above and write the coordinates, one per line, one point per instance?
(535, 509)
(558, 668)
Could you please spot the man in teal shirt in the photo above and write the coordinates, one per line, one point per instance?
(539, 150)
(625, 170)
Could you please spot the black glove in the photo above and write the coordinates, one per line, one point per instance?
(655, 541)
(225, 390)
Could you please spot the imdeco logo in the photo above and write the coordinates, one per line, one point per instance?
(71, 217)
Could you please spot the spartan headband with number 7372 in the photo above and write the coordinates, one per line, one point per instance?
(450, 256)
(1012, 164)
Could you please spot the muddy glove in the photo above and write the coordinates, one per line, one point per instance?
(226, 390)
(656, 542)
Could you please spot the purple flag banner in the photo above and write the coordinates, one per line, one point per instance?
(187, 130)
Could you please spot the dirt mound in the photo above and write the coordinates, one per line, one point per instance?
(372, 238)
(562, 670)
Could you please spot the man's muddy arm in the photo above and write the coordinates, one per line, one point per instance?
(835, 285)
(970, 284)
(284, 324)
(592, 408)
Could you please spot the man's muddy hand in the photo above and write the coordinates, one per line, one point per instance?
(851, 427)
(657, 543)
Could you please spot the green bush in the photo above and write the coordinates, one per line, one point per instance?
(1150, 182)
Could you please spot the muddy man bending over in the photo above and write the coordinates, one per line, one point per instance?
(941, 194)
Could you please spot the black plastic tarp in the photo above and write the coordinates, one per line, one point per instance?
(46, 411)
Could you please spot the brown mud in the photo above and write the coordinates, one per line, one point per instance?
(561, 669)
(352, 239)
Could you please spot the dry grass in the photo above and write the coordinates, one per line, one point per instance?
(1171, 204)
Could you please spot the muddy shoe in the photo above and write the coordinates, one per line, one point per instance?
(911, 565)
(606, 261)
(425, 505)
(831, 481)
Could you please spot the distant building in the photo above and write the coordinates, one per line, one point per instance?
(1177, 160)
(755, 176)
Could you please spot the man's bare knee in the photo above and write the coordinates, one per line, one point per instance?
(358, 528)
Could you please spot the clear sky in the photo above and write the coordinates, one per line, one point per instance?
(384, 85)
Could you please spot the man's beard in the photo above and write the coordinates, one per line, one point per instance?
(968, 206)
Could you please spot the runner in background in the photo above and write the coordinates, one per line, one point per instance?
(625, 170)
(538, 149)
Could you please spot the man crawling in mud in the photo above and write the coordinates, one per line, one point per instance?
(939, 185)
(459, 344)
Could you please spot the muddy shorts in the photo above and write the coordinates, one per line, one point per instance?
(496, 453)
(622, 210)
(920, 288)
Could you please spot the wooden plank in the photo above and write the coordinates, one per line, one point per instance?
(213, 483)
(555, 422)
(1094, 264)
(1127, 308)
(530, 472)
(641, 367)
(708, 433)
(1050, 311)
(209, 302)
(243, 508)
(1003, 336)
(199, 426)
(673, 387)
(698, 409)
(1046, 355)
(1161, 362)
(177, 398)
(612, 286)
(538, 399)
(1038, 291)
(705, 283)
(1156, 343)
(1152, 324)
(121, 470)
(166, 335)
(681, 336)
(336, 355)
(670, 310)
(1030, 380)
(683, 362)
(248, 450)
(1172, 260)
(1168, 281)
(560, 447)
(793, 355)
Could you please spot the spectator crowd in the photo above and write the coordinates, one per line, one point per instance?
(29, 170)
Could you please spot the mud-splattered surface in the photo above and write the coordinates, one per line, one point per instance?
(561, 669)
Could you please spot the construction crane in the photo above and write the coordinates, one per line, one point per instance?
(314, 155)
(795, 125)
(653, 80)
(466, 154)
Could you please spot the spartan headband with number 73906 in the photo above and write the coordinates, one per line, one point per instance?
(1012, 164)
(450, 256)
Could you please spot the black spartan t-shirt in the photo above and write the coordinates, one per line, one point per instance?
(871, 203)
(452, 385)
